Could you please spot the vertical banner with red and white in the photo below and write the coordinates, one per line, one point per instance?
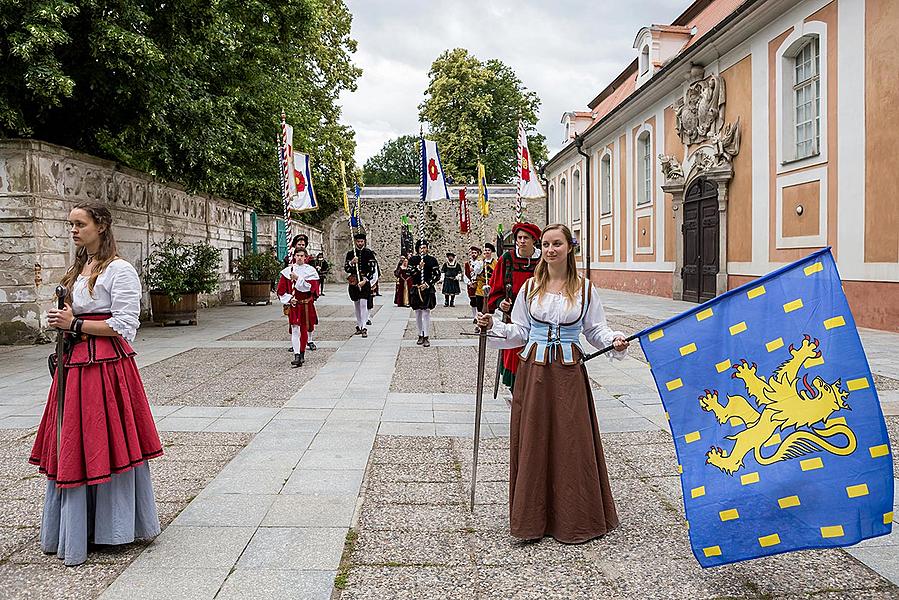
(464, 219)
(528, 181)
(299, 195)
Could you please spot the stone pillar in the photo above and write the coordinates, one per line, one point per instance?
(676, 189)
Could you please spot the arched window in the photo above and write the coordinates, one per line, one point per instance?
(644, 60)
(562, 215)
(806, 99)
(552, 204)
(644, 168)
(605, 185)
(576, 196)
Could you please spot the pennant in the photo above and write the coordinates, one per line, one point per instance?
(299, 193)
(780, 439)
(528, 181)
(356, 210)
(483, 194)
(433, 179)
(346, 200)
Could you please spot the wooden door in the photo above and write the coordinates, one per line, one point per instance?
(700, 231)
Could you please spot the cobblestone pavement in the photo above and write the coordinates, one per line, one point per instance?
(189, 463)
(415, 537)
(274, 521)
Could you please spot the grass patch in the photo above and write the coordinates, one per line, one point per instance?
(343, 572)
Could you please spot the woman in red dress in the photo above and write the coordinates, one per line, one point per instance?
(298, 288)
(403, 283)
(98, 489)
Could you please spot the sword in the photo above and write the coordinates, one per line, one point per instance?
(479, 402)
(499, 357)
(60, 370)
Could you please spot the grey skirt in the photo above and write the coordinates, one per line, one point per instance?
(116, 512)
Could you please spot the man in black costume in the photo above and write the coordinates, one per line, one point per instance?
(360, 267)
(423, 297)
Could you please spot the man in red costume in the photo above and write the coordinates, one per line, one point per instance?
(512, 269)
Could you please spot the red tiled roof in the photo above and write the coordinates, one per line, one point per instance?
(702, 14)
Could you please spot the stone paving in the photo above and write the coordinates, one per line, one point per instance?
(364, 446)
(189, 463)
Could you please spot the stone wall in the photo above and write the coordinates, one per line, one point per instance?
(383, 208)
(40, 182)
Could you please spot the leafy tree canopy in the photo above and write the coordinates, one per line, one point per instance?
(396, 163)
(472, 108)
(188, 91)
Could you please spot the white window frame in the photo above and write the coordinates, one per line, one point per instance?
(576, 202)
(562, 216)
(808, 56)
(785, 95)
(552, 203)
(606, 193)
(644, 168)
(644, 60)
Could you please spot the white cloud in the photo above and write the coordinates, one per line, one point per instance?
(566, 51)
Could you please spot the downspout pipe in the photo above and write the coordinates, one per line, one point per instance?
(585, 232)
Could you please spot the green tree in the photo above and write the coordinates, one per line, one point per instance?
(189, 91)
(396, 163)
(472, 109)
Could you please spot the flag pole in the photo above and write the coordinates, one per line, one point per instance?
(518, 190)
(421, 169)
(285, 174)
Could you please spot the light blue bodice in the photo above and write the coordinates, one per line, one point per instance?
(550, 339)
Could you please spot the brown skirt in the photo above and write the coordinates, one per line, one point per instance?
(558, 482)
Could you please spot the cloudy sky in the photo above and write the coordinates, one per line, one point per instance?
(566, 51)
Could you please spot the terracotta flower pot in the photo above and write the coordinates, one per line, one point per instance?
(256, 292)
(164, 311)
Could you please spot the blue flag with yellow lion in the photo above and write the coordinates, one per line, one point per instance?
(779, 433)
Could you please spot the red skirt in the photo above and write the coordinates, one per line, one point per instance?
(107, 426)
(303, 314)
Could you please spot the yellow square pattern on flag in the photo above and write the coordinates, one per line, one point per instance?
(749, 478)
(704, 314)
(724, 365)
(697, 492)
(674, 384)
(810, 464)
(655, 335)
(729, 514)
(856, 491)
(769, 540)
(774, 344)
(834, 322)
(756, 292)
(857, 384)
(813, 268)
(712, 551)
(832, 531)
(692, 437)
(878, 451)
(888, 518)
(688, 349)
(738, 328)
(788, 502)
(794, 305)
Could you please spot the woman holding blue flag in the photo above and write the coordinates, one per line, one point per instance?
(558, 482)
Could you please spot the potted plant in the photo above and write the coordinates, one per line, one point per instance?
(257, 271)
(176, 273)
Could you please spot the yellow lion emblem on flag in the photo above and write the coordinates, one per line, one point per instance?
(782, 405)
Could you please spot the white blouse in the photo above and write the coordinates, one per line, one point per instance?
(304, 273)
(555, 309)
(117, 291)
